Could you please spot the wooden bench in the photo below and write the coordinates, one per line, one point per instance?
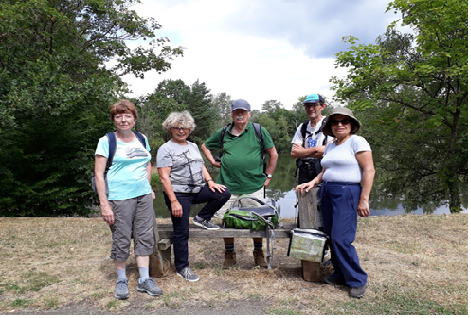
(160, 261)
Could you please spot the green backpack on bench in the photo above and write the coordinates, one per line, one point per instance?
(251, 213)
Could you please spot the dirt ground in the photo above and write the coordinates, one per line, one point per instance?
(57, 266)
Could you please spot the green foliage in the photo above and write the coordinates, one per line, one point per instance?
(55, 93)
(413, 89)
(175, 95)
(203, 111)
(222, 103)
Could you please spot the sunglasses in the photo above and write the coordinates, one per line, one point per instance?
(344, 122)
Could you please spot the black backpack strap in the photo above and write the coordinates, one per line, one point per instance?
(258, 132)
(304, 131)
(223, 134)
(141, 138)
(113, 143)
(320, 129)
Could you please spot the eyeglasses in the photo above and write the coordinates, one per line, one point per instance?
(180, 128)
(123, 115)
(344, 122)
(312, 105)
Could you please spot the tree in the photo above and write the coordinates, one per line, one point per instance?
(175, 95)
(203, 111)
(222, 102)
(418, 84)
(271, 106)
(55, 94)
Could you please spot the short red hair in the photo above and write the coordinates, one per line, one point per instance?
(122, 106)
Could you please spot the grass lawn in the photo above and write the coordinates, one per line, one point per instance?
(416, 265)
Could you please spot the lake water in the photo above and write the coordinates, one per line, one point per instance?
(288, 210)
(281, 188)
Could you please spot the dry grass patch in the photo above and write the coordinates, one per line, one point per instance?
(416, 265)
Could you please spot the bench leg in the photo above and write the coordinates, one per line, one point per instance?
(311, 271)
(160, 259)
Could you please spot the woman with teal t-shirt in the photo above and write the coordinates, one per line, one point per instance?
(128, 206)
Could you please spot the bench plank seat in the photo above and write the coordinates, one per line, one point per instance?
(166, 232)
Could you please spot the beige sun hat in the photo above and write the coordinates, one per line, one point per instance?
(327, 129)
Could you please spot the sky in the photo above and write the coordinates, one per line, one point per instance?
(260, 50)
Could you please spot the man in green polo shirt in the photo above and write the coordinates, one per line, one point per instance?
(241, 168)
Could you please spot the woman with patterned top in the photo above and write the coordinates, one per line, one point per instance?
(186, 181)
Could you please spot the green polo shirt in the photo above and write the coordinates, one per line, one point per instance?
(241, 168)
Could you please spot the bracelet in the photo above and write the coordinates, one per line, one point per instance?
(209, 180)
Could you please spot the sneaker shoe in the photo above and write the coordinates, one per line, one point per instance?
(331, 280)
(205, 224)
(187, 274)
(122, 291)
(358, 292)
(229, 260)
(259, 259)
(149, 286)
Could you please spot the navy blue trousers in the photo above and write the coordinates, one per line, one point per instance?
(339, 203)
(181, 226)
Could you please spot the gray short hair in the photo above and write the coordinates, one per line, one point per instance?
(179, 119)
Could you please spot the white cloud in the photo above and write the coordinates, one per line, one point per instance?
(257, 50)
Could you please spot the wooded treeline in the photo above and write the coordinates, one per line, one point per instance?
(409, 90)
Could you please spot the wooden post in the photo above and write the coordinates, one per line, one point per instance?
(161, 257)
(308, 219)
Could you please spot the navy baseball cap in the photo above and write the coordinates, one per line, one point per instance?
(240, 104)
(314, 98)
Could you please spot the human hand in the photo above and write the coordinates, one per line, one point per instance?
(363, 208)
(267, 181)
(213, 186)
(107, 213)
(308, 186)
(177, 210)
(216, 164)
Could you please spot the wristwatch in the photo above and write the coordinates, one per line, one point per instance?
(269, 176)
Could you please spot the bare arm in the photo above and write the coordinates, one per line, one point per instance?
(207, 153)
(213, 186)
(365, 159)
(297, 151)
(105, 208)
(164, 175)
(271, 163)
